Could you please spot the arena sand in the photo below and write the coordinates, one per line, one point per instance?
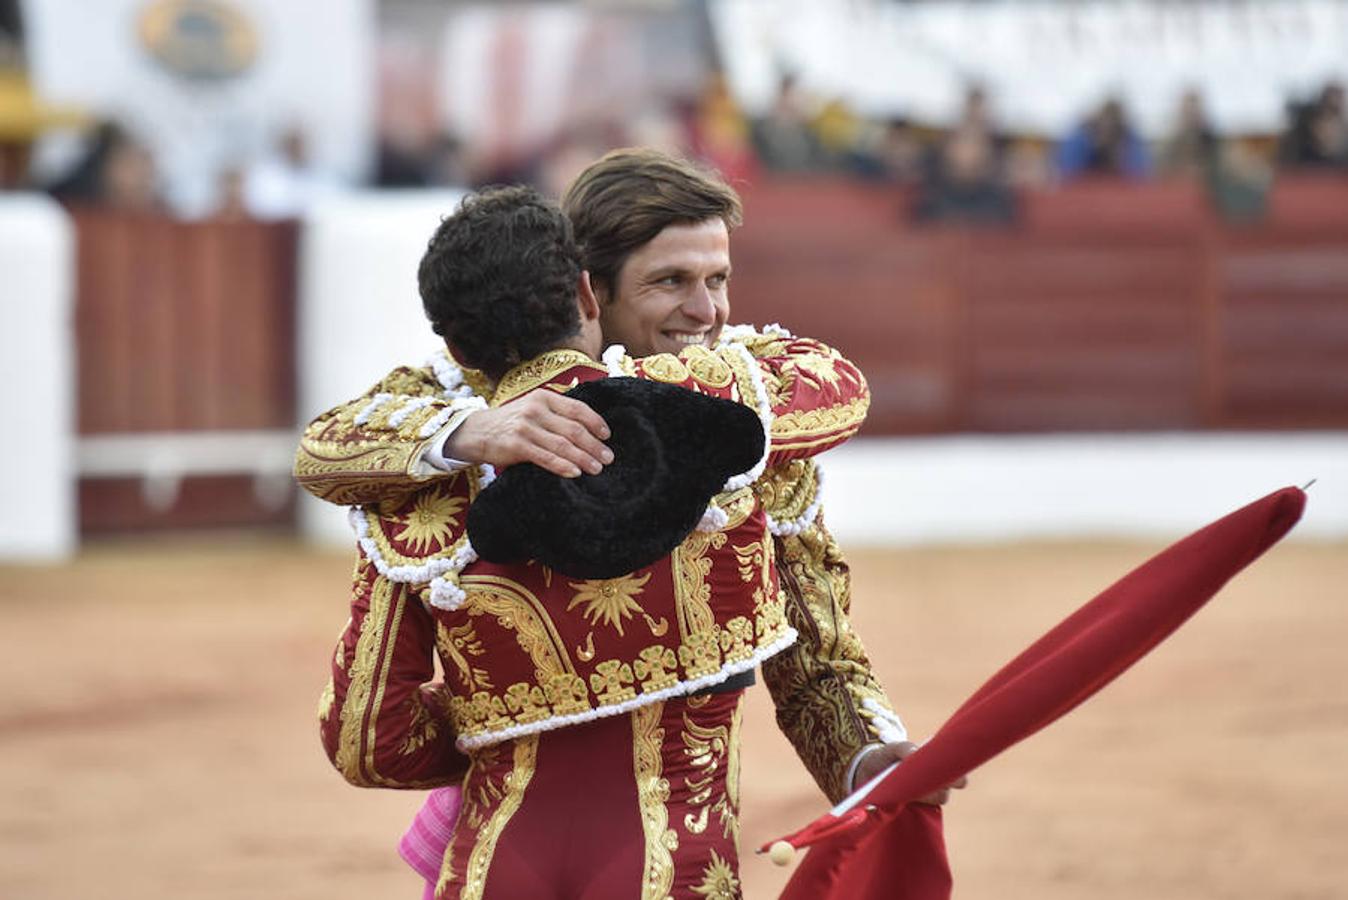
(159, 741)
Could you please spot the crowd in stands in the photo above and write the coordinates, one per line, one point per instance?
(972, 171)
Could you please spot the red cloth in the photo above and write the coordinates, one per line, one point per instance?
(897, 851)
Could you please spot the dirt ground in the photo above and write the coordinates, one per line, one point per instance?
(158, 730)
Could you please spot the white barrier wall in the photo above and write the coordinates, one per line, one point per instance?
(37, 347)
(995, 488)
(359, 311)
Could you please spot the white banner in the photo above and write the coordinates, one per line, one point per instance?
(211, 84)
(1045, 63)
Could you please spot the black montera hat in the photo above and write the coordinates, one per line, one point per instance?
(673, 450)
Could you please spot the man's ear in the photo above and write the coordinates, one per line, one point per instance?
(455, 355)
(586, 298)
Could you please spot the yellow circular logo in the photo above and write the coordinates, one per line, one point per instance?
(208, 40)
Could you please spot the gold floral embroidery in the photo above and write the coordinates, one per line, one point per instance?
(326, 701)
(527, 702)
(822, 369)
(706, 367)
(718, 881)
(655, 666)
(431, 521)
(830, 422)
(692, 594)
(516, 608)
(737, 638)
(652, 795)
(540, 370)
(700, 653)
(456, 644)
(566, 692)
(665, 367)
(422, 727)
(611, 680)
(750, 558)
(609, 600)
(706, 748)
(479, 861)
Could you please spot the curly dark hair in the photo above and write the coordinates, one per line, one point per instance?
(498, 280)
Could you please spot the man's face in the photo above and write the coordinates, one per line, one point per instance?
(673, 291)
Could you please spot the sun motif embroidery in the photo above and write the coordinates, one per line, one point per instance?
(430, 522)
(718, 880)
(609, 600)
(822, 368)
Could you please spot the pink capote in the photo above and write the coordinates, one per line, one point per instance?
(423, 846)
(895, 850)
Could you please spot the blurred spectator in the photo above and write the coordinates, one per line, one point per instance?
(1105, 144)
(1318, 136)
(784, 138)
(900, 154)
(966, 185)
(1191, 149)
(1240, 181)
(285, 182)
(721, 133)
(232, 195)
(117, 172)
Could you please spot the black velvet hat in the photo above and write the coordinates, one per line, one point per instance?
(673, 450)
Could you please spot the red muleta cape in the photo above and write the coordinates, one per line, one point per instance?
(893, 848)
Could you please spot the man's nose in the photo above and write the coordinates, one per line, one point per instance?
(700, 306)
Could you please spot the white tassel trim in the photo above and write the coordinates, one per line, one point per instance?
(805, 519)
(884, 722)
(401, 413)
(551, 723)
(764, 406)
(613, 360)
(743, 332)
(376, 401)
(436, 422)
(714, 519)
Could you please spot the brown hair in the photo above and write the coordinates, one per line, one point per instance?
(628, 196)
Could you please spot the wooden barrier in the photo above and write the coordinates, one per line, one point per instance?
(181, 327)
(1112, 306)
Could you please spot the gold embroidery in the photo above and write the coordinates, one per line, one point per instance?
(806, 423)
(658, 628)
(516, 608)
(652, 795)
(479, 861)
(750, 558)
(706, 367)
(421, 727)
(700, 653)
(822, 369)
(431, 520)
(730, 818)
(610, 681)
(706, 749)
(737, 638)
(326, 701)
(692, 594)
(566, 692)
(787, 491)
(527, 702)
(655, 666)
(718, 881)
(609, 600)
(665, 367)
(538, 371)
(362, 685)
(737, 506)
(456, 644)
(586, 653)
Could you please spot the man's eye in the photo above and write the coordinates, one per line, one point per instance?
(718, 281)
(670, 280)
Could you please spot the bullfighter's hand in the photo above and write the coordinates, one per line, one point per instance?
(876, 761)
(556, 433)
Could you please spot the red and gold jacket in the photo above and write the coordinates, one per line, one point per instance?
(524, 649)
